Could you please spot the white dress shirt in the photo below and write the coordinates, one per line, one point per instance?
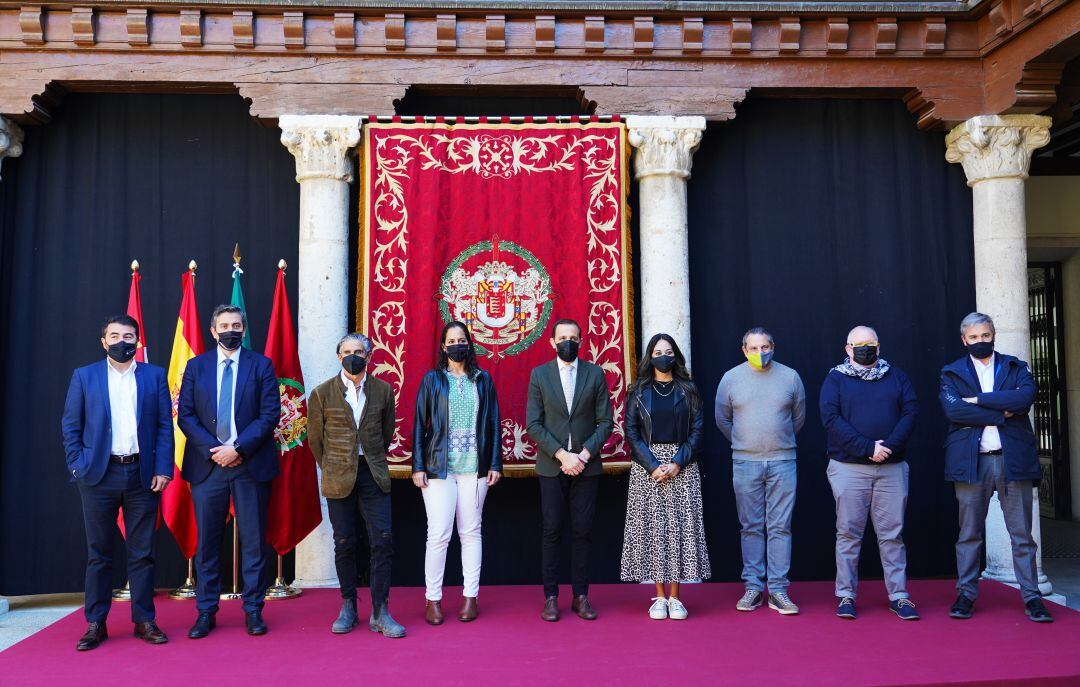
(123, 396)
(991, 438)
(221, 357)
(568, 377)
(357, 399)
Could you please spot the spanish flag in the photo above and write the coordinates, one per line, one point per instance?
(187, 343)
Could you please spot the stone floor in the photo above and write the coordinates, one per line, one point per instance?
(1061, 558)
(28, 614)
(1061, 562)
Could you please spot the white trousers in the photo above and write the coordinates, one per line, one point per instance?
(459, 497)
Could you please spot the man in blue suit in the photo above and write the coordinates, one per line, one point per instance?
(118, 440)
(229, 406)
(991, 447)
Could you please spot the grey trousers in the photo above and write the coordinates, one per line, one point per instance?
(1016, 502)
(880, 491)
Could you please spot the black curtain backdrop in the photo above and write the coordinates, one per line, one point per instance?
(161, 178)
(817, 214)
(809, 217)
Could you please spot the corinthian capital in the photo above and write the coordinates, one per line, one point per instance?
(11, 138)
(321, 144)
(664, 146)
(997, 147)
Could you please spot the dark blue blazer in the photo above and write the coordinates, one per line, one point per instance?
(1014, 391)
(87, 423)
(257, 407)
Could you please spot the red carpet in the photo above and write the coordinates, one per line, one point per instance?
(510, 645)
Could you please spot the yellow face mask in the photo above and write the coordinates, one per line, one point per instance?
(759, 361)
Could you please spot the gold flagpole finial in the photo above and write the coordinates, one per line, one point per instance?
(236, 254)
(281, 264)
(134, 265)
(192, 266)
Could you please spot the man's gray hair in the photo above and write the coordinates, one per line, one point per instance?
(222, 310)
(757, 330)
(355, 336)
(976, 318)
(857, 328)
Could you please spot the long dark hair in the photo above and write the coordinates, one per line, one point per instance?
(472, 367)
(646, 372)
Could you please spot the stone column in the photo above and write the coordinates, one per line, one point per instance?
(663, 152)
(11, 137)
(996, 154)
(322, 145)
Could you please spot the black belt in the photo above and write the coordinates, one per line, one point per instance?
(127, 459)
(997, 452)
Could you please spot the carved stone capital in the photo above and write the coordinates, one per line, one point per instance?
(11, 138)
(997, 147)
(664, 146)
(321, 144)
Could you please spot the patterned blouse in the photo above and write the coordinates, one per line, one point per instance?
(464, 403)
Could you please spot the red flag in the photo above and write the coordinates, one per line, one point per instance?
(294, 495)
(187, 343)
(134, 309)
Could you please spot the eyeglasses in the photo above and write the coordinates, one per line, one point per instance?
(864, 343)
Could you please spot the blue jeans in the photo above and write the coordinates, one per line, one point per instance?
(765, 498)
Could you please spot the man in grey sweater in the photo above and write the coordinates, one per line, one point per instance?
(760, 407)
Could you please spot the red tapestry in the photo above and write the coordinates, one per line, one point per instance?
(508, 228)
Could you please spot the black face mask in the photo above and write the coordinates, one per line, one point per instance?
(567, 350)
(122, 351)
(663, 363)
(459, 353)
(981, 350)
(865, 355)
(354, 364)
(230, 341)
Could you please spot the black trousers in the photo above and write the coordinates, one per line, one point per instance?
(372, 504)
(558, 495)
(121, 487)
(250, 499)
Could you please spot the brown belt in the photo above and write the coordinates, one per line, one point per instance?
(124, 459)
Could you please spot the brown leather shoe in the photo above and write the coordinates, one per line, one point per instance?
(150, 633)
(95, 634)
(551, 609)
(583, 608)
(468, 609)
(433, 613)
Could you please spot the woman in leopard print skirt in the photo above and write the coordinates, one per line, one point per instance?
(664, 538)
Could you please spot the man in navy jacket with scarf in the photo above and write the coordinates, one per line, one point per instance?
(991, 447)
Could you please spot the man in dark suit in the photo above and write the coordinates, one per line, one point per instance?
(991, 447)
(569, 417)
(118, 440)
(229, 407)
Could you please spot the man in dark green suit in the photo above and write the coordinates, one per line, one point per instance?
(569, 418)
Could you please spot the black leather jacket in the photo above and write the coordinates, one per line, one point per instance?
(689, 421)
(432, 424)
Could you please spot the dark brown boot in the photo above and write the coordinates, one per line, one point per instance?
(551, 609)
(95, 635)
(433, 613)
(150, 633)
(468, 609)
(583, 608)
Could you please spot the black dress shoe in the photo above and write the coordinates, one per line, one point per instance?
(255, 624)
(1036, 611)
(95, 635)
(961, 608)
(150, 633)
(202, 626)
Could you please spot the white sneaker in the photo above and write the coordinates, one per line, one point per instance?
(676, 611)
(782, 603)
(659, 608)
(750, 600)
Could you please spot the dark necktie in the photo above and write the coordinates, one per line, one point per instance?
(224, 406)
